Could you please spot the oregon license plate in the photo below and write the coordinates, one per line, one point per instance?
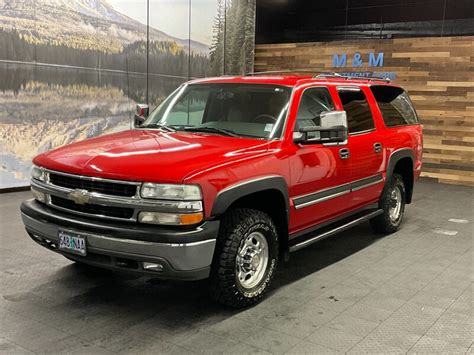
(72, 242)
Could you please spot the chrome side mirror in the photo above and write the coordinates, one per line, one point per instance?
(141, 114)
(332, 129)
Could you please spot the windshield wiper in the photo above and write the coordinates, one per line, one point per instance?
(162, 126)
(224, 132)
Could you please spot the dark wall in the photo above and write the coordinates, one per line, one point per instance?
(284, 21)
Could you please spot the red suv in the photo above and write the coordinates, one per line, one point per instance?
(227, 176)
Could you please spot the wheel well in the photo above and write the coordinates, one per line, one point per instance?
(272, 202)
(404, 168)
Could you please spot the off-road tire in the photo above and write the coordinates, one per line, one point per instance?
(383, 224)
(236, 226)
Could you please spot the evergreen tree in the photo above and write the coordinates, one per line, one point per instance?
(216, 51)
(233, 37)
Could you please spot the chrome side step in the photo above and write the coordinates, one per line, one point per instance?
(335, 228)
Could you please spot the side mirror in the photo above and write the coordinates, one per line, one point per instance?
(332, 129)
(141, 114)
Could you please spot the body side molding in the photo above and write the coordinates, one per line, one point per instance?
(320, 196)
(336, 191)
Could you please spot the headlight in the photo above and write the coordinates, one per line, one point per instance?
(37, 173)
(170, 191)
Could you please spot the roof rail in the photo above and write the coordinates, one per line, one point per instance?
(385, 80)
(302, 70)
(350, 77)
(320, 75)
(329, 75)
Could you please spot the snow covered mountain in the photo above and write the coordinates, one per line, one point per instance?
(87, 24)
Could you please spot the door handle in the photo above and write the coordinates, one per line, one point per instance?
(377, 147)
(344, 153)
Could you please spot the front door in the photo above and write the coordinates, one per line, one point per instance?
(320, 173)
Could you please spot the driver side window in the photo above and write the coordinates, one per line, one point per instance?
(313, 102)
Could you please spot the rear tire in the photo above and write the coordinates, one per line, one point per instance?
(245, 259)
(392, 203)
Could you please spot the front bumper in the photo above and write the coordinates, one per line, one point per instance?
(184, 254)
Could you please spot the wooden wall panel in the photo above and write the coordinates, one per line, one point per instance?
(437, 72)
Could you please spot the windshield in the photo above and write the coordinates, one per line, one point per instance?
(243, 110)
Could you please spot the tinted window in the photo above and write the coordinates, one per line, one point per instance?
(190, 109)
(245, 110)
(359, 117)
(313, 102)
(395, 106)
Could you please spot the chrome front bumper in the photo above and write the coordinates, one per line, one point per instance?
(183, 254)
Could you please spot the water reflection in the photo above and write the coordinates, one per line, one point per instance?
(43, 107)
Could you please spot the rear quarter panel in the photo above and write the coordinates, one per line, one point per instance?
(406, 137)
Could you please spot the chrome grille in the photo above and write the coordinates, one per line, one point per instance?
(93, 185)
(102, 198)
(92, 209)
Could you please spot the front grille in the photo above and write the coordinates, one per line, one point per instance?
(99, 210)
(103, 187)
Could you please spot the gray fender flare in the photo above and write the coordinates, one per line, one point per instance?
(230, 194)
(394, 158)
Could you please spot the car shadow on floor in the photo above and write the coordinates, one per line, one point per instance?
(177, 307)
(324, 253)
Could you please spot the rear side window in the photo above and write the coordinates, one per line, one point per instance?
(395, 106)
(359, 116)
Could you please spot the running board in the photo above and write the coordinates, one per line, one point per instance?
(335, 228)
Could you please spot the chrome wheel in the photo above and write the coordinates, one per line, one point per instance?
(395, 208)
(252, 260)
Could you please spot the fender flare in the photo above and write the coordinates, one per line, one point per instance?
(232, 193)
(394, 158)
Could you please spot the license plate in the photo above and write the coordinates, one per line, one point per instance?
(72, 242)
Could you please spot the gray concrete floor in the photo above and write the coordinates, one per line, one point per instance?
(410, 292)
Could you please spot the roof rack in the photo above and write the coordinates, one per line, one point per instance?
(302, 70)
(328, 75)
(320, 75)
(350, 77)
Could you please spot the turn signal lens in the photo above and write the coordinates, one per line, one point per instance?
(172, 219)
(192, 218)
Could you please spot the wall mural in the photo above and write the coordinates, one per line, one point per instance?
(74, 69)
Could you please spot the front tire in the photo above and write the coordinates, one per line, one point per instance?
(245, 259)
(392, 203)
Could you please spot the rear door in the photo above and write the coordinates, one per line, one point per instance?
(365, 146)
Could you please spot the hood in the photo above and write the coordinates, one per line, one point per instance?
(149, 155)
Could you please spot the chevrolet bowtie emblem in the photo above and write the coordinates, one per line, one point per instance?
(80, 197)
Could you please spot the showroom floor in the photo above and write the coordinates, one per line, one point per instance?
(409, 292)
